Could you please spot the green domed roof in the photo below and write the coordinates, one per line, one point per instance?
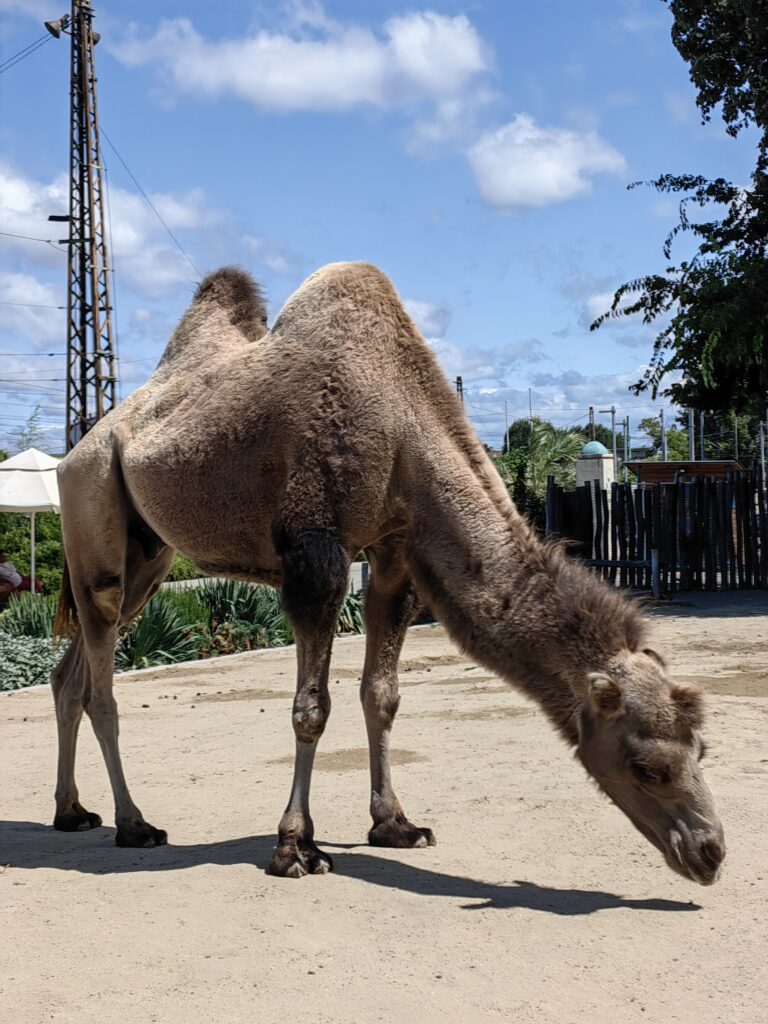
(593, 448)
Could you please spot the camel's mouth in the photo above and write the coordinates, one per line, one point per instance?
(699, 860)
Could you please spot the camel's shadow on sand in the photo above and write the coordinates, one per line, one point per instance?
(28, 845)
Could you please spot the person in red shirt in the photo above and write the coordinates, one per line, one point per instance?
(12, 581)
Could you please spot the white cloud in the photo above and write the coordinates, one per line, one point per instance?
(475, 364)
(599, 303)
(431, 318)
(420, 55)
(27, 312)
(523, 164)
(681, 106)
(145, 258)
(276, 258)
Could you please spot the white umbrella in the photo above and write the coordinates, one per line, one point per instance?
(28, 484)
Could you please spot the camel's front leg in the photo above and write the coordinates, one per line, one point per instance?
(315, 571)
(389, 608)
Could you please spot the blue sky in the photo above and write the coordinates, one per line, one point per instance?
(477, 152)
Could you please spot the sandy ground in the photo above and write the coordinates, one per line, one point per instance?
(540, 902)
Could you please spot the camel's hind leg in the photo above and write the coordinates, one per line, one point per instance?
(315, 569)
(109, 586)
(70, 682)
(389, 607)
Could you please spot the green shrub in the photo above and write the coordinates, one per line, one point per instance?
(186, 603)
(26, 660)
(29, 615)
(243, 616)
(49, 551)
(159, 636)
(183, 568)
(228, 600)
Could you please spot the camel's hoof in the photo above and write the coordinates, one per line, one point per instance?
(77, 819)
(298, 857)
(401, 834)
(140, 834)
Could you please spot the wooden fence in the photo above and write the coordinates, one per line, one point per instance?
(701, 535)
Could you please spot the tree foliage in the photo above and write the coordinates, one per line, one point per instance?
(677, 440)
(716, 329)
(31, 435)
(545, 451)
(49, 554)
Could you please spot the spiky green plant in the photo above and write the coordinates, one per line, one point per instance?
(230, 600)
(159, 636)
(351, 617)
(29, 615)
(187, 603)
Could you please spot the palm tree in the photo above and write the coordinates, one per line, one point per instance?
(548, 452)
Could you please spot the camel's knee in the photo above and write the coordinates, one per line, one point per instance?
(104, 599)
(380, 699)
(310, 715)
(315, 570)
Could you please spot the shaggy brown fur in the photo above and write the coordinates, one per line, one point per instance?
(277, 462)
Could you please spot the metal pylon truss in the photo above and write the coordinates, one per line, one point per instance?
(91, 365)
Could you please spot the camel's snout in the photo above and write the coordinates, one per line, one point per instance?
(696, 856)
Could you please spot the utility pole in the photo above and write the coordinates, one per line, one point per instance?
(691, 438)
(701, 435)
(627, 447)
(505, 446)
(736, 437)
(91, 366)
(460, 389)
(664, 452)
(591, 423)
(612, 411)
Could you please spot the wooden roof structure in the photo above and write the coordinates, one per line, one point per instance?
(649, 472)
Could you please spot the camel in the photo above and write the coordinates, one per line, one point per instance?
(276, 456)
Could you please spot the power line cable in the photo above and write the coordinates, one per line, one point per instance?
(11, 62)
(149, 203)
(29, 238)
(108, 190)
(32, 305)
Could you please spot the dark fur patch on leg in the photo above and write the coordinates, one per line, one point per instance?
(151, 545)
(315, 571)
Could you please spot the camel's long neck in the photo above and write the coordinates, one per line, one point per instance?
(518, 606)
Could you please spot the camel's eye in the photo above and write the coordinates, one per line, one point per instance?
(650, 776)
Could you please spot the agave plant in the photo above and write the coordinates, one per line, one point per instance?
(351, 617)
(29, 615)
(234, 600)
(159, 636)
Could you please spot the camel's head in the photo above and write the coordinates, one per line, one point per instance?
(639, 738)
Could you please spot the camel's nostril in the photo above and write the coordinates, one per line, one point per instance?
(713, 853)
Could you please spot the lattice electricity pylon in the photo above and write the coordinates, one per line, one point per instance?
(91, 365)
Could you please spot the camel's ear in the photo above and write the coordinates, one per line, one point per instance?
(655, 656)
(689, 707)
(606, 696)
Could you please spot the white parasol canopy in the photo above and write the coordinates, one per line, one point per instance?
(28, 484)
